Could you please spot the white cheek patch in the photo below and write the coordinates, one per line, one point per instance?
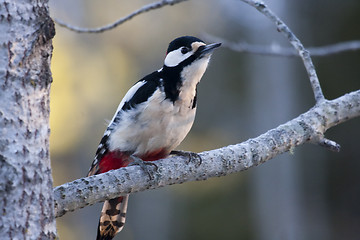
(175, 57)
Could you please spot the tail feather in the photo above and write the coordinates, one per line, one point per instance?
(112, 219)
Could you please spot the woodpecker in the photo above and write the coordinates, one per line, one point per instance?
(152, 119)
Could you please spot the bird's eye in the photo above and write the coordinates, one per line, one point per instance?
(185, 50)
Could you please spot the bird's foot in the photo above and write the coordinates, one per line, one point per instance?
(144, 166)
(192, 157)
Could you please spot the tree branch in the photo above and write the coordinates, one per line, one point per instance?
(146, 8)
(308, 127)
(278, 51)
(295, 42)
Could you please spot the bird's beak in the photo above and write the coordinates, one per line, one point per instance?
(208, 48)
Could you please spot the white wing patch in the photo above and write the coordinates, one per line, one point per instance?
(127, 97)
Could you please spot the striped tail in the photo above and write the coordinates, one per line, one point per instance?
(112, 219)
(113, 213)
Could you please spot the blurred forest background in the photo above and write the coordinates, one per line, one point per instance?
(310, 193)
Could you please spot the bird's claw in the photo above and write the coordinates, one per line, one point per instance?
(144, 166)
(191, 157)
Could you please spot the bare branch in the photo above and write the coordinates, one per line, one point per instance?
(279, 51)
(295, 42)
(146, 8)
(220, 162)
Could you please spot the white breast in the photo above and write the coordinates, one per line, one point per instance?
(159, 123)
(156, 124)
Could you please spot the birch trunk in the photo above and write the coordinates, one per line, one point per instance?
(26, 201)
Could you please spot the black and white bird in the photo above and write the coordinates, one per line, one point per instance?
(152, 119)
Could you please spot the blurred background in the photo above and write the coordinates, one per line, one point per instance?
(311, 193)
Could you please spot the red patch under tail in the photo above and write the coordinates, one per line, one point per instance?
(113, 160)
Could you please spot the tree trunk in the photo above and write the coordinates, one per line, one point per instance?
(26, 201)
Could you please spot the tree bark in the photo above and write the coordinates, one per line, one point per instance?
(26, 201)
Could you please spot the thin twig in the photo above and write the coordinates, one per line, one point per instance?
(143, 9)
(295, 42)
(278, 51)
(335, 48)
(329, 144)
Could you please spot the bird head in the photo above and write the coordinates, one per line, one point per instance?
(187, 50)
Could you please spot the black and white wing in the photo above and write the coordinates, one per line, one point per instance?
(139, 93)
